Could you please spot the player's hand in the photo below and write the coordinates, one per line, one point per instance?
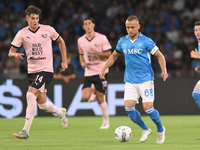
(64, 66)
(194, 54)
(164, 76)
(93, 51)
(19, 56)
(102, 75)
(197, 69)
(83, 65)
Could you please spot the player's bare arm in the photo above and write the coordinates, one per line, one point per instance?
(111, 60)
(13, 54)
(162, 63)
(62, 47)
(104, 54)
(82, 60)
(195, 54)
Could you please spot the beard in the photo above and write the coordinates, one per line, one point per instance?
(133, 35)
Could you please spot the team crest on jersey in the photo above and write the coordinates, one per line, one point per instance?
(44, 35)
(139, 44)
(97, 45)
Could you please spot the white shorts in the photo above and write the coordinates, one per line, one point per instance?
(135, 91)
(198, 82)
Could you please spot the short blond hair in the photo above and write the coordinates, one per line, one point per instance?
(132, 17)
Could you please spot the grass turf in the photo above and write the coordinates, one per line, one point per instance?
(182, 133)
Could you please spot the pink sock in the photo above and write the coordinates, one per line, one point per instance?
(31, 108)
(92, 98)
(104, 111)
(50, 107)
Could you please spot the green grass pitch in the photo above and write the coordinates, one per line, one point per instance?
(182, 133)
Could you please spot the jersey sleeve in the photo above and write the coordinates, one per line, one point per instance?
(106, 45)
(151, 46)
(17, 41)
(79, 47)
(119, 44)
(54, 35)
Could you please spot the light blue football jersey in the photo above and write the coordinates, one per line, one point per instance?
(137, 58)
(199, 48)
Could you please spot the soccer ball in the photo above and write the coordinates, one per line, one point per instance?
(123, 133)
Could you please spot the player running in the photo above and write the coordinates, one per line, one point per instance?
(139, 76)
(196, 54)
(37, 41)
(94, 50)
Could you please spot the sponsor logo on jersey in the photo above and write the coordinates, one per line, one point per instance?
(37, 49)
(38, 58)
(132, 51)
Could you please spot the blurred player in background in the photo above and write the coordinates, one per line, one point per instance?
(94, 50)
(37, 42)
(196, 54)
(139, 76)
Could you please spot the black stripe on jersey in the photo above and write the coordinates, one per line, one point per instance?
(107, 50)
(58, 37)
(14, 46)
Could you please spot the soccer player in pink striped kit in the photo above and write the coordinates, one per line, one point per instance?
(94, 50)
(37, 41)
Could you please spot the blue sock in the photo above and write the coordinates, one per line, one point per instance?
(155, 117)
(196, 96)
(135, 116)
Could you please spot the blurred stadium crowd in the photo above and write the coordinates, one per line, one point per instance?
(169, 23)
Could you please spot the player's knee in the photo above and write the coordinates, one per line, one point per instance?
(84, 99)
(30, 96)
(43, 106)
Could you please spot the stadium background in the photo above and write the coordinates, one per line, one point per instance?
(169, 23)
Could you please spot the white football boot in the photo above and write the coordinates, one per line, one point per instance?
(105, 125)
(161, 136)
(63, 118)
(145, 134)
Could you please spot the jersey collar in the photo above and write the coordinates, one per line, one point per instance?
(35, 30)
(91, 38)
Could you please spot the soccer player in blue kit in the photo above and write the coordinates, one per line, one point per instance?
(139, 76)
(196, 54)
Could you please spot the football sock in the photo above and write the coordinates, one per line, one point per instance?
(104, 111)
(30, 110)
(196, 96)
(27, 128)
(155, 117)
(135, 116)
(50, 107)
